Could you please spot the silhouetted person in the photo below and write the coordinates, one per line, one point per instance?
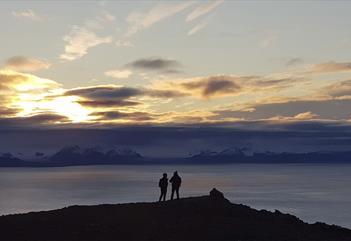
(163, 184)
(176, 181)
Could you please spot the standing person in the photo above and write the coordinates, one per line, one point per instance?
(176, 181)
(163, 184)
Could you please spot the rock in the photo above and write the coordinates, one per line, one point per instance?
(216, 195)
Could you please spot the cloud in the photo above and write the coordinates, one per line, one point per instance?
(203, 10)
(107, 103)
(37, 120)
(197, 28)
(79, 41)
(81, 38)
(14, 81)
(21, 63)
(328, 67)
(186, 117)
(339, 89)
(308, 115)
(116, 92)
(44, 118)
(117, 96)
(164, 93)
(293, 62)
(27, 14)
(18, 91)
(213, 86)
(138, 20)
(155, 64)
(180, 140)
(125, 116)
(305, 116)
(104, 92)
(119, 74)
(7, 112)
(227, 85)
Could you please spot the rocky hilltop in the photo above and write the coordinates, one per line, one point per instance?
(209, 217)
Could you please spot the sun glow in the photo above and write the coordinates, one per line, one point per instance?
(32, 95)
(64, 105)
(68, 106)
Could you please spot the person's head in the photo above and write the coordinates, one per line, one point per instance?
(164, 174)
(175, 173)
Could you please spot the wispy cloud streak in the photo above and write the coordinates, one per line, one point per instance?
(203, 10)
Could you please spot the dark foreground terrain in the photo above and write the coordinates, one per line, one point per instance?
(198, 218)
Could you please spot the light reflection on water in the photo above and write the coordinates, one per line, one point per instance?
(312, 192)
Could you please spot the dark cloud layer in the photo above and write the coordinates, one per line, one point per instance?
(32, 121)
(179, 141)
(156, 64)
(224, 85)
(163, 93)
(8, 111)
(105, 92)
(109, 96)
(213, 86)
(108, 103)
(118, 115)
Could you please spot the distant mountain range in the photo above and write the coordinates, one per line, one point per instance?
(239, 156)
(75, 155)
(8, 160)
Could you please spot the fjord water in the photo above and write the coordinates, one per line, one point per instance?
(313, 192)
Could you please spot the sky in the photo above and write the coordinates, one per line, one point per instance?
(238, 64)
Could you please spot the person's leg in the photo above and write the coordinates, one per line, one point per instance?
(172, 193)
(177, 193)
(164, 195)
(160, 196)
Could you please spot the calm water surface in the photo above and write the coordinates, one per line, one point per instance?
(312, 192)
